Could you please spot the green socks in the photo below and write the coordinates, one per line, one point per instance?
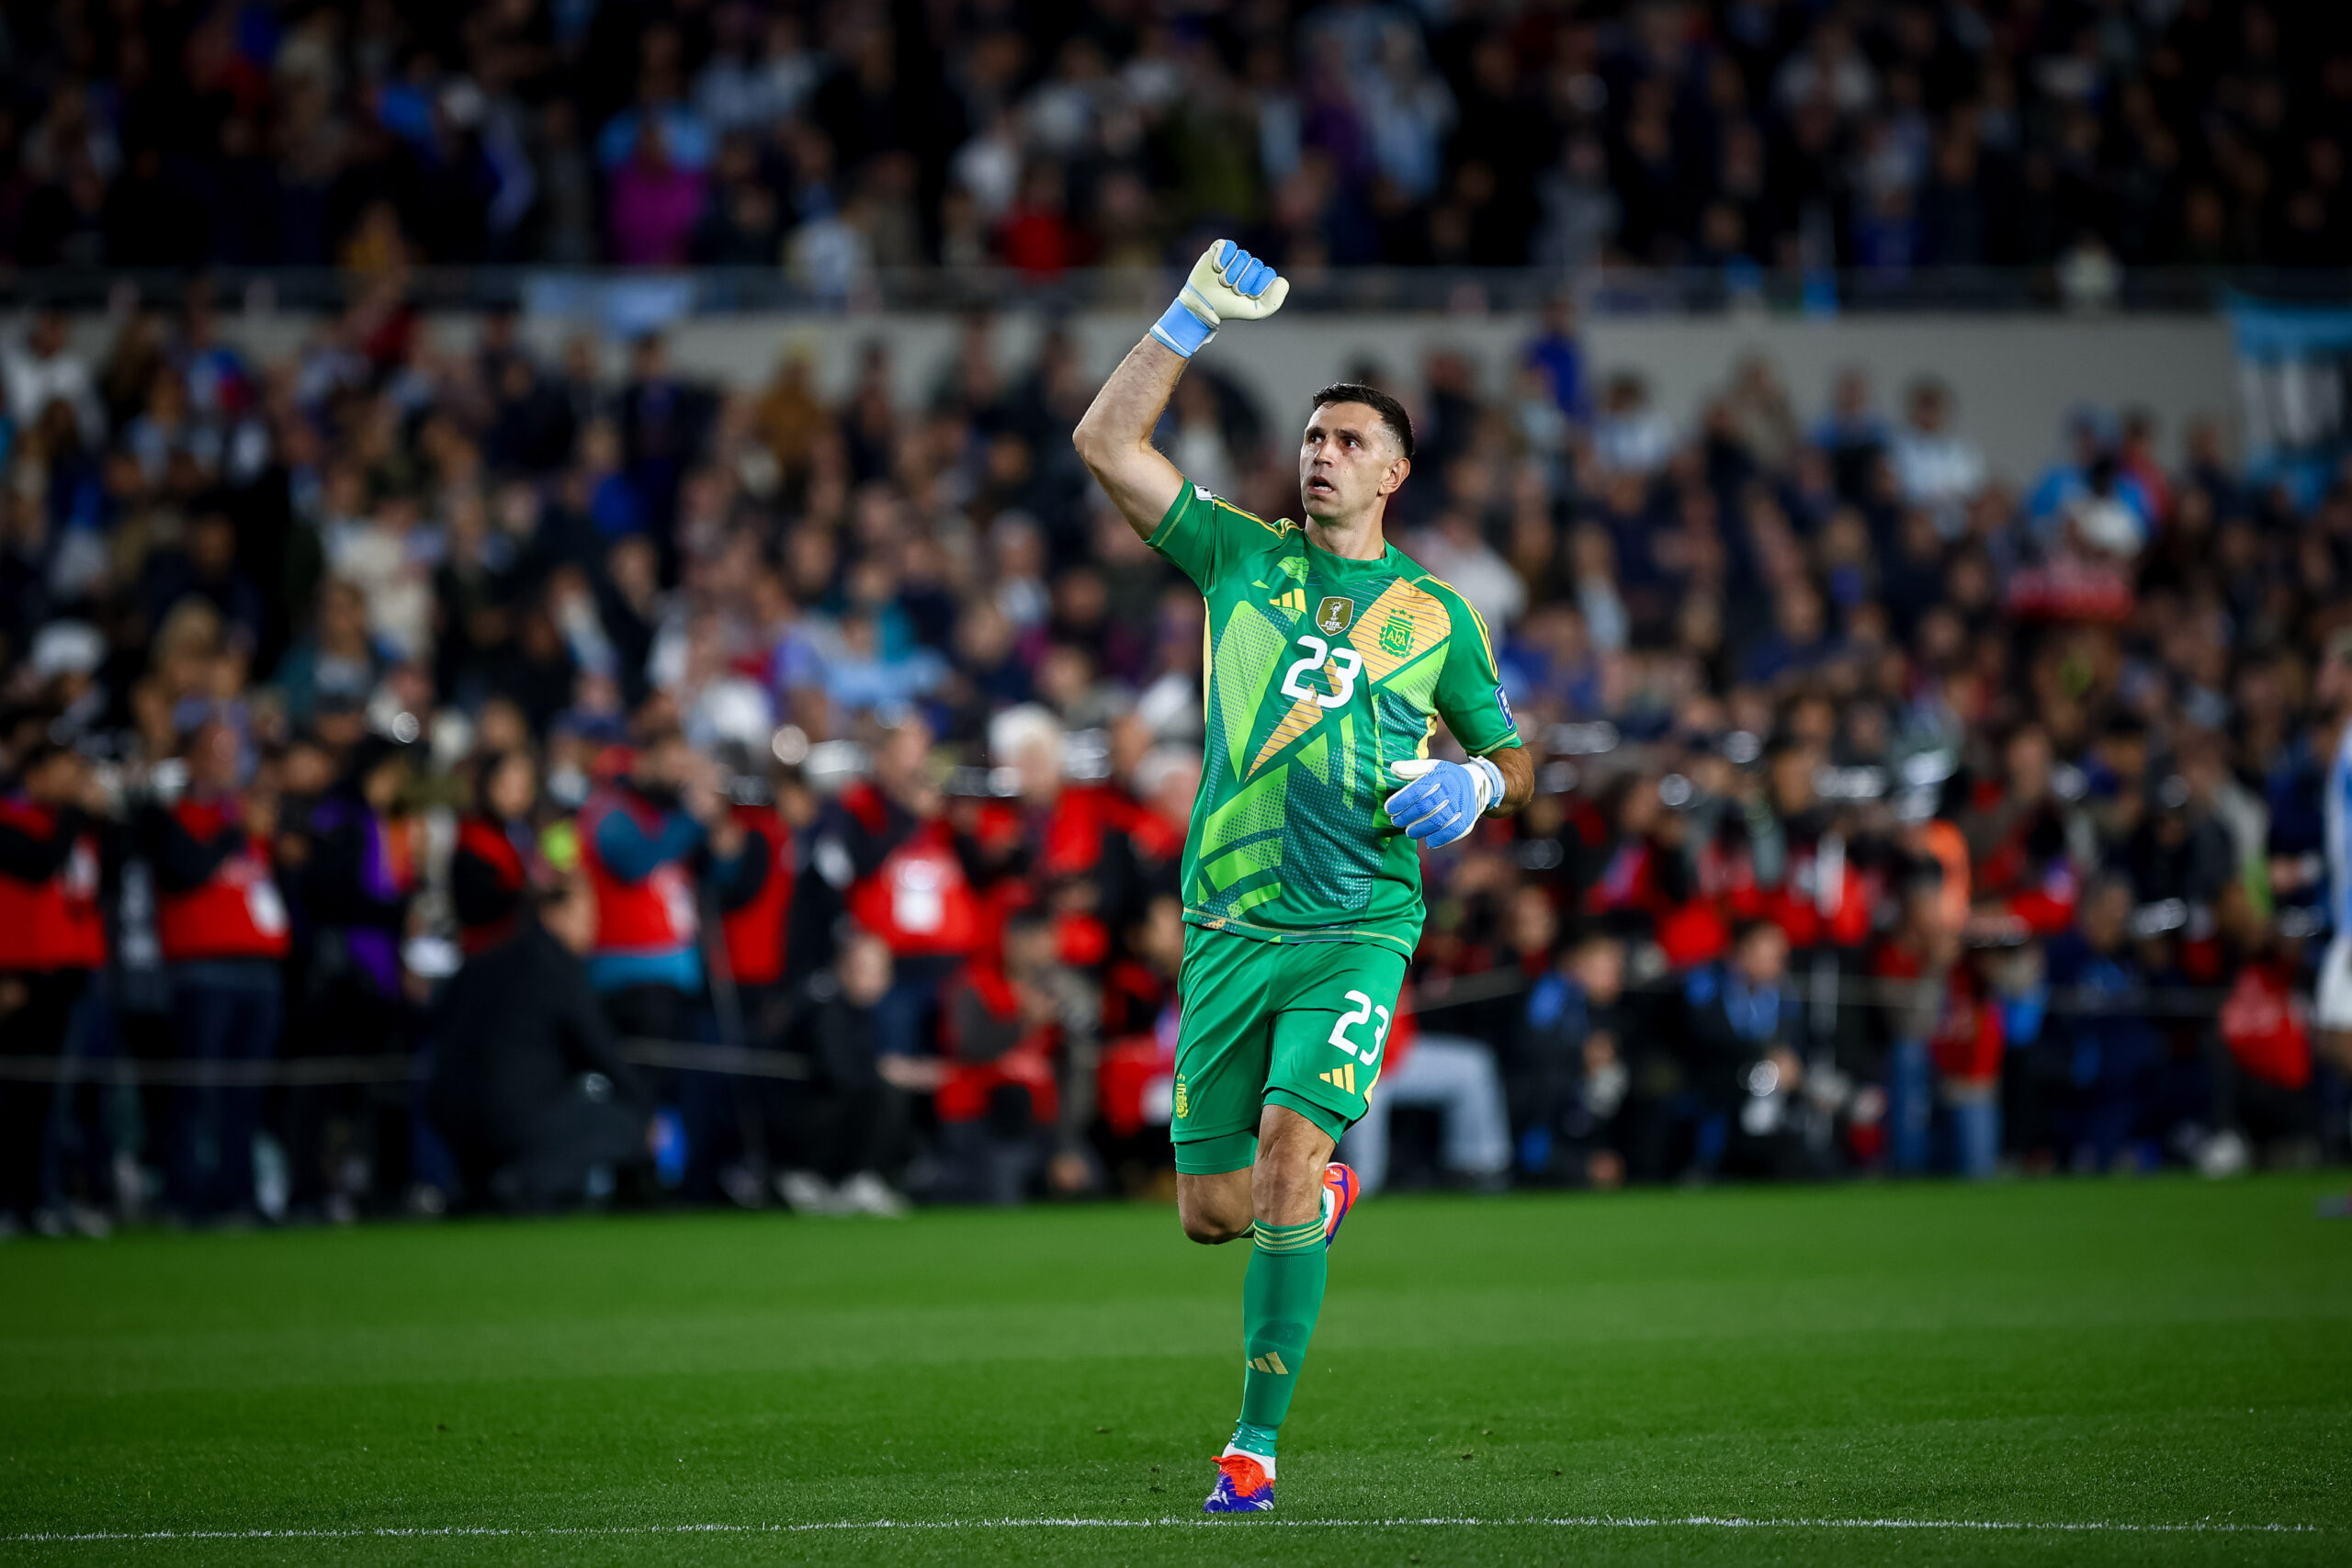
(1280, 1297)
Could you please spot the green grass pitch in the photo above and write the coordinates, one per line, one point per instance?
(1504, 1380)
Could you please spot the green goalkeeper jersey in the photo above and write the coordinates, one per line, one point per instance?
(1321, 671)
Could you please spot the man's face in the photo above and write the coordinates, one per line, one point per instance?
(1039, 765)
(1161, 934)
(570, 918)
(865, 971)
(1798, 615)
(665, 762)
(212, 758)
(2334, 685)
(2105, 917)
(1533, 922)
(2029, 765)
(56, 779)
(1600, 968)
(1030, 951)
(1793, 779)
(1763, 958)
(1347, 460)
(212, 546)
(898, 760)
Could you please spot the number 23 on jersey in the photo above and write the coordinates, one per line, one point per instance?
(1341, 665)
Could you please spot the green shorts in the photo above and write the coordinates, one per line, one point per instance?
(1297, 1024)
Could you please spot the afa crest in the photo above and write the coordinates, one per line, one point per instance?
(1332, 616)
(1396, 635)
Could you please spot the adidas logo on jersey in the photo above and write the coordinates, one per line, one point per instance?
(1341, 1077)
(1295, 602)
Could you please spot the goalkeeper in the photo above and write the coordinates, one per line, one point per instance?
(1331, 656)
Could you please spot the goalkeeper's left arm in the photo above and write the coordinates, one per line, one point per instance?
(1227, 284)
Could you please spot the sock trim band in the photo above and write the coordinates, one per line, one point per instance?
(1288, 1239)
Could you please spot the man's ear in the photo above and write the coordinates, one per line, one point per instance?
(1394, 480)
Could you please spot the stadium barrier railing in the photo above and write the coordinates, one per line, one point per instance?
(1430, 998)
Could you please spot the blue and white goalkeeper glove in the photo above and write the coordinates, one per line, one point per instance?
(1227, 284)
(1444, 800)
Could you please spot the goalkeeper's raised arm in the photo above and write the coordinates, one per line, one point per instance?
(1227, 284)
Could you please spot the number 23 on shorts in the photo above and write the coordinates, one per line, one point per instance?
(1362, 1012)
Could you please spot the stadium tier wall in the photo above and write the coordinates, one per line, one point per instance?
(2016, 374)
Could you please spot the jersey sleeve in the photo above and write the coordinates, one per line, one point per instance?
(1469, 692)
(1205, 534)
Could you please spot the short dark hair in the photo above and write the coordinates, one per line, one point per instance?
(1392, 412)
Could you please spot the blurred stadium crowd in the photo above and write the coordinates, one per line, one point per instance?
(465, 777)
(843, 137)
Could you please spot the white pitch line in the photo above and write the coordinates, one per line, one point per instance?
(1597, 1521)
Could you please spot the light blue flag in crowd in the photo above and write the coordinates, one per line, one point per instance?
(2293, 363)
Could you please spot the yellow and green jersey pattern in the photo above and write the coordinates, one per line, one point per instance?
(1321, 672)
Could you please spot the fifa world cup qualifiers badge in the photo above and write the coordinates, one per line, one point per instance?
(1333, 615)
(1503, 703)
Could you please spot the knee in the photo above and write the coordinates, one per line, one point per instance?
(1287, 1185)
(1292, 1150)
(1212, 1230)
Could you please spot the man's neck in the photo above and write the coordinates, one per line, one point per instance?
(1350, 538)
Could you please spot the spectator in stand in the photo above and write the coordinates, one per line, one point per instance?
(1851, 434)
(497, 864)
(2065, 488)
(653, 202)
(1570, 1071)
(53, 937)
(884, 855)
(43, 369)
(664, 421)
(2098, 1053)
(641, 837)
(2265, 1075)
(2020, 842)
(1556, 352)
(221, 921)
(528, 1087)
(1935, 466)
(348, 1141)
(338, 656)
(206, 569)
(1748, 1053)
(755, 900)
(1629, 436)
(1017, 1090)
(1919, 961)
(1969, 1047)
(841, 1130)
